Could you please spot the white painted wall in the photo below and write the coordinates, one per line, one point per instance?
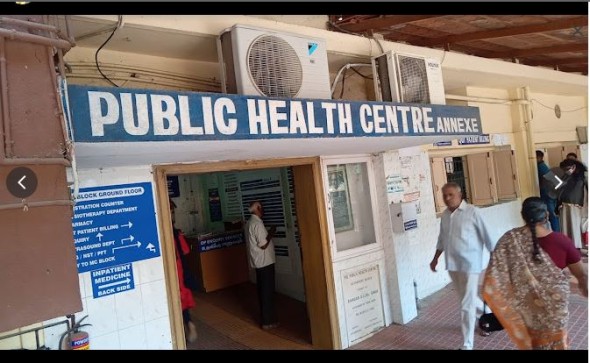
(408, 254)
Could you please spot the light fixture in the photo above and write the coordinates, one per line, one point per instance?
(557, 110)
(339, 17)
(21, 2)
(582, 132)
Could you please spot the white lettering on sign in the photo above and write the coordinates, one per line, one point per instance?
(456, 124)
(148, 114)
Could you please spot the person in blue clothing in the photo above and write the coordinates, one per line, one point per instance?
(551, 203)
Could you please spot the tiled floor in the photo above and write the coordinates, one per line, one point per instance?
(224, 325)
(437, 327)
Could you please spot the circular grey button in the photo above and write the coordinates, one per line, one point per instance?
(21, 182)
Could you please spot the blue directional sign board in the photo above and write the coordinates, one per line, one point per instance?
(112, 280)
(474, 140)
(114, 225)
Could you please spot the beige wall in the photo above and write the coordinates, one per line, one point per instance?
(547, 127)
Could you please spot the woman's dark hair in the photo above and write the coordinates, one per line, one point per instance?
(580, 167)
(534, 210)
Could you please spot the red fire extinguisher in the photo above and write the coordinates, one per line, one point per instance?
(74, 338)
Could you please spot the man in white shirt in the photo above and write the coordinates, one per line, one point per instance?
(463, 236)
(262, 258)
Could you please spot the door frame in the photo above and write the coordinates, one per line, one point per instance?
(323, 314)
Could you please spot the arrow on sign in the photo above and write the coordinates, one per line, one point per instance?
(126, 281)
(151, 247)
(559, 181)
(128, 225)
(130, 239)
(133, 245)
(99, 236)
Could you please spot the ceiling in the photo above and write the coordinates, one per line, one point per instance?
(558, 42)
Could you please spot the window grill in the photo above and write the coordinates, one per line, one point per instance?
(457, 173)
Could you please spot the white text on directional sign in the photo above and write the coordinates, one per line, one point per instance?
(474, 140)
(114, 225)
(112, 280)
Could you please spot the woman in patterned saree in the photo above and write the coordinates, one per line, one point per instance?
(524, 284)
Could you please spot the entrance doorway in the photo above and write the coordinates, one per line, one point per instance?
(292, 187)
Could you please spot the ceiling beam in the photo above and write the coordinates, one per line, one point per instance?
(518, 53)
(581, 68)
(506, 32)
(383, 22)
(554, 61)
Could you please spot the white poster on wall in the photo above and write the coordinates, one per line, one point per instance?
(363, 304)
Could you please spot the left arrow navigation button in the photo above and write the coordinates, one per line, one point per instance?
(21, 182)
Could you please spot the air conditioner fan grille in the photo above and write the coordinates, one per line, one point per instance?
(274, 67)
(414, 80)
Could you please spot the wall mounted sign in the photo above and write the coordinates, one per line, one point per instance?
(474, 140)
(101, 114)
(114, 225)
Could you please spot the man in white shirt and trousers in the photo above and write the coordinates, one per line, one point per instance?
(262, 258)
(463, 236)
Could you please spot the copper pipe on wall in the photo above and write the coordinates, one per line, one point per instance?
(35, 161)
(36, 39)
(58, 110)
(47, 203)
(68, 30)
(7, 136)
(28, 24)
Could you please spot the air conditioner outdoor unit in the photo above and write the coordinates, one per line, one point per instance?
(408, 78)
(268, 63)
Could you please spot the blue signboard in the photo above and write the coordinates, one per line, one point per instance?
(411, 224)
(112, 280)
(218, 241)
(101, 114)
(113, 225)
(474, 140)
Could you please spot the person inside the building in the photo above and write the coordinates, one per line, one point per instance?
(261, 251)
(463, 236)
(187, 300)
(551, 202)
(571, 206)
(572, 156)
(524, 283)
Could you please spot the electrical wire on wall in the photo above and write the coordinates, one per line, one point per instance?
(119, 23)
(138, 75)
(342, 71)
(553, 107)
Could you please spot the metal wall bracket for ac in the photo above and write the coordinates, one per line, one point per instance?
(403, 216)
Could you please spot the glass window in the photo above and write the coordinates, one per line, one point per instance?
(350, 205)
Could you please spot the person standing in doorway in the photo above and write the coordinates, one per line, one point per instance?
(181, 248)
(571, 202)
(543, 169)
(262, 258)
(463, 236)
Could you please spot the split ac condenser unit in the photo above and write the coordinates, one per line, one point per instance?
(268, 63)
(408, 78)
